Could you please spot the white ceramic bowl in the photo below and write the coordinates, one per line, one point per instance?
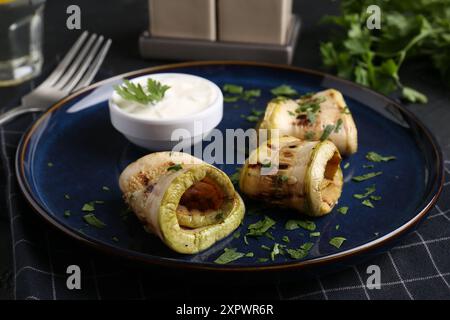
(157, 134)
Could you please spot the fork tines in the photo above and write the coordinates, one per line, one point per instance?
(81, 63)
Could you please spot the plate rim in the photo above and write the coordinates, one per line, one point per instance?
(149, 259)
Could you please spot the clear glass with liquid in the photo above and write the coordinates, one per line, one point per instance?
(21, 32)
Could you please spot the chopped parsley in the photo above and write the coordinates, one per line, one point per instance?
(230, 99)
(375, 157)
(368, 166)
(261, 227)
(291, 113)
(311, 116)
(312, 105)
(67, 213)
(266, 164)
(67, 196)
(258, 113)
(235, 177)
(286, 239)
(307, 95)
(263, 259)
(233, 89)
(284, 90)
(310, 135)
(375, 198)
(347, 165)
(251, 118)
(337, 227)
(311, 108)
(326, 132)
(369, 191)
(346, 110)
(276, 250)
(314, 234)
(366, 176)
(115, 239)
(269, 235)
(50, 164)
(92, 220)
(88, 207)
(368, 203)
(228, 256)
(343, 210)
(254, 116)
(305, 224)
(251, 94)
(105, 188)
(301, 252)
(337, 241)
(338, 125)
(282, 178)
(235, 93)
(236, 235)
(176, 167)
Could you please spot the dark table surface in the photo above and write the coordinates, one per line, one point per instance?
(124, 20)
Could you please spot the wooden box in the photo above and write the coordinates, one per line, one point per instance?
(188, 19)
(254, 21)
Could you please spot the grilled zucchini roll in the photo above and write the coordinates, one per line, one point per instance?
(307, 176)
(186, 202)
(322, 115)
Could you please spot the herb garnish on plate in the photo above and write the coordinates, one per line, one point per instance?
(375, 157)
(337, 241)
(261, 227)
(301, 252)
(305, 224)
(343, 210)
(92, 220)
(366, 176)
(228, 256)
(235, 93)
(283, 91)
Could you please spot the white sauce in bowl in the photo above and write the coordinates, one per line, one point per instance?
(187, 95)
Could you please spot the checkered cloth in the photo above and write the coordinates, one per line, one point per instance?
(417, 268)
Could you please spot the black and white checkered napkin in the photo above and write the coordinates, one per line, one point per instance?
(417, 268)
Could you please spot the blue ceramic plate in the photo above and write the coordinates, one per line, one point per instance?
(67, 159)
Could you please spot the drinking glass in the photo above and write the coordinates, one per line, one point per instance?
(20, 40)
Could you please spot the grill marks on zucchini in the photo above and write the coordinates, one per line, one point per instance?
(295, 184)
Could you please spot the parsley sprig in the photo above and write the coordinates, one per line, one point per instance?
(153, 93)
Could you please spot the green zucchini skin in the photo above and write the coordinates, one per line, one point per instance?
(154, 190)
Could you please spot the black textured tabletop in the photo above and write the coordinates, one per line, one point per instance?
(33, 256)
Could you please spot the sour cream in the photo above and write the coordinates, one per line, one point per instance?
(186, 96)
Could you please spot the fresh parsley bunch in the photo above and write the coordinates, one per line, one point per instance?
(419, 28)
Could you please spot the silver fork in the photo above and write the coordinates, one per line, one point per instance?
(76, 70)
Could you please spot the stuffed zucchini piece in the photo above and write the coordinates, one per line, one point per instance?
(323, 115)
(186, 202)
(306, 177)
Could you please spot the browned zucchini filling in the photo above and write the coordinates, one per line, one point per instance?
(201, 198)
